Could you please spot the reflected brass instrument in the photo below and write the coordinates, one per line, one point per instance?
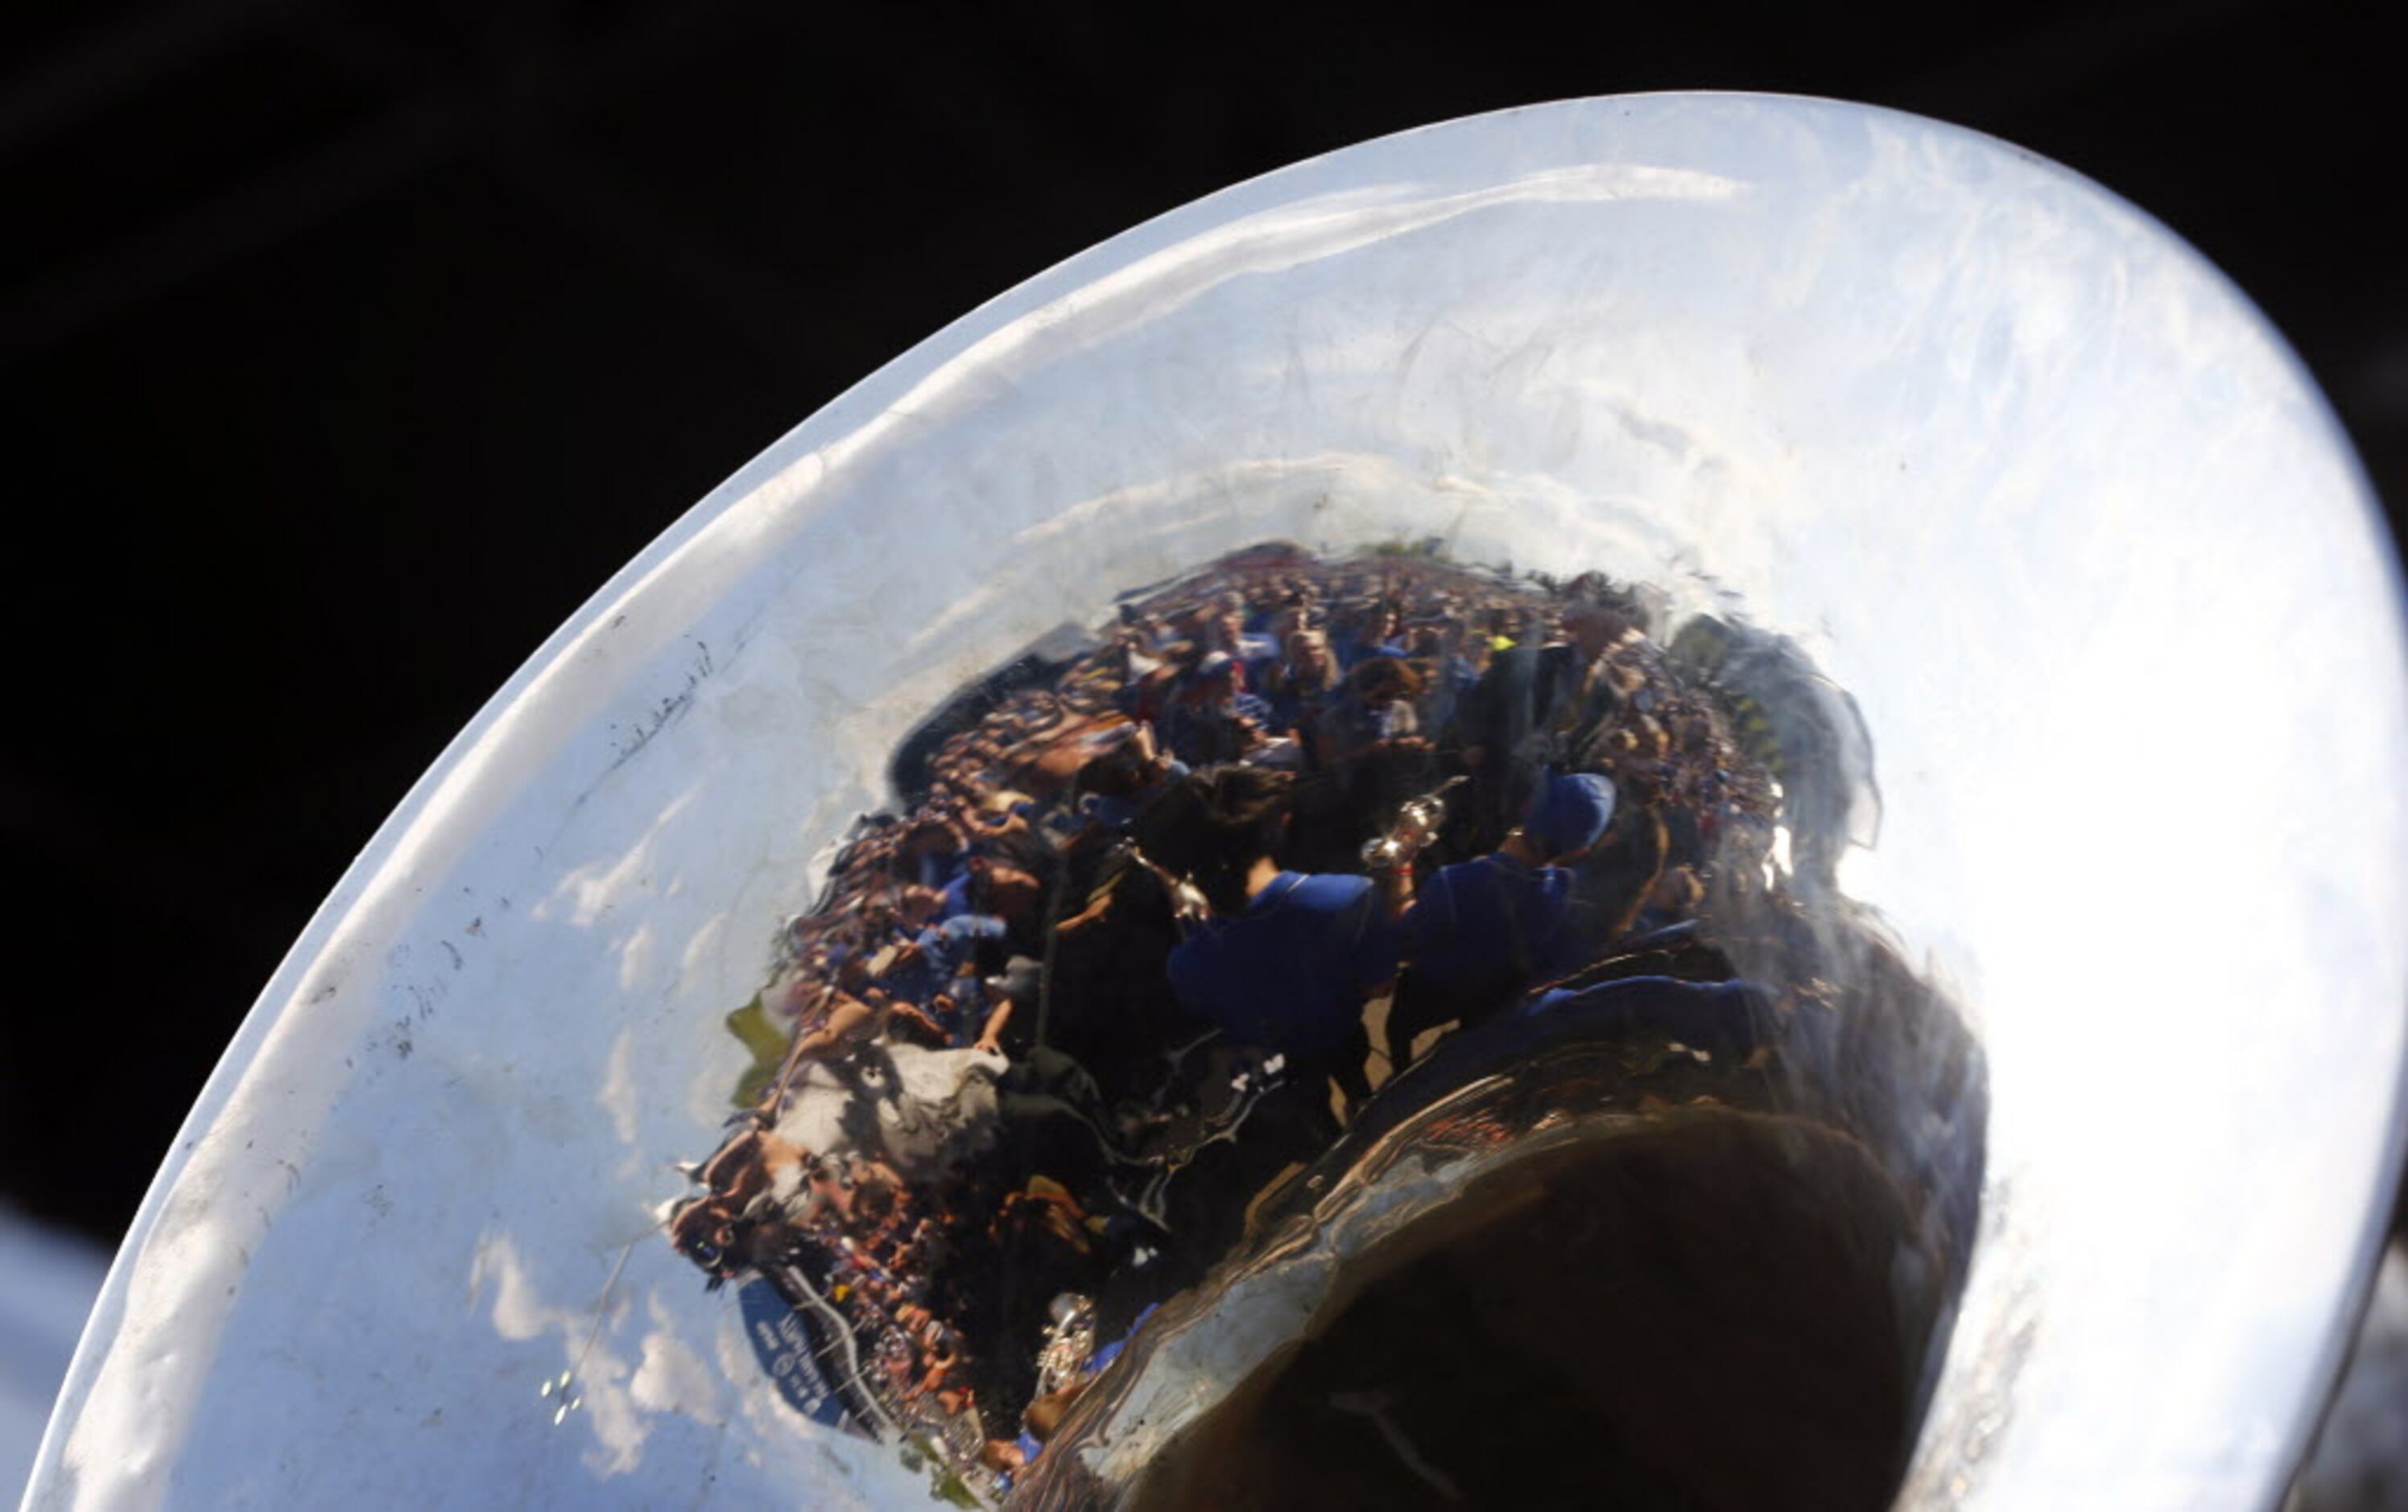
(1416, 826)
(1188, 904)
(1944, 1161)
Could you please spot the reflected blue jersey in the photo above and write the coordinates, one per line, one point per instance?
(1490, 927)
(1291, 973)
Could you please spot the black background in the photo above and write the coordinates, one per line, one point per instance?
(344, 352)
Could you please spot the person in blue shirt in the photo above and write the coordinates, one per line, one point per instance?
(1288, 961)
(1481, 931)
(1375, 634)
(989, 887)
(1114, 787)
(1214, 718)
(1292, 973)
(942, 960)
(1375, 706)
(930, 852)
(1301, 685)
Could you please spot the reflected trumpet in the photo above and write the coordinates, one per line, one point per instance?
(1414, 828)
(1188, 904)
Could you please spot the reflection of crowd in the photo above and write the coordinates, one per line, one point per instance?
(1123, 963)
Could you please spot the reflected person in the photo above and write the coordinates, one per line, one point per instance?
(1288, 961)
(1481, 931)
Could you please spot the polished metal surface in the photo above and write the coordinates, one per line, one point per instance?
(2007, 466)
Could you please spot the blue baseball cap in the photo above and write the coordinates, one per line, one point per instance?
(1569, 812)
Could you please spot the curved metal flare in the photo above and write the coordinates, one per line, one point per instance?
(1972, 1079)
